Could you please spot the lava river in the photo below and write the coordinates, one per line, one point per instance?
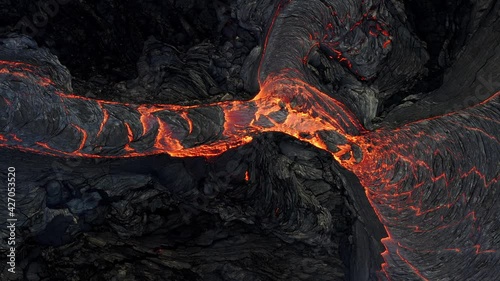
(433, 183)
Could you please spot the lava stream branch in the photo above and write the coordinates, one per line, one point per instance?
(333, 29)
(40, 117)
(424, 181)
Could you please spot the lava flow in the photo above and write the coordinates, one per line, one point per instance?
(414, 176)
(433, 183)
(283, 105)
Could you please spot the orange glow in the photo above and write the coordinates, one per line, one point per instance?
(83, 139)
(104, 121)
(294, 107)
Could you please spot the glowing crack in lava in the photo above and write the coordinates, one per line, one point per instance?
(422, 179)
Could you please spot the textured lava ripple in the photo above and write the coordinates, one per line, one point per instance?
(434, 185)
